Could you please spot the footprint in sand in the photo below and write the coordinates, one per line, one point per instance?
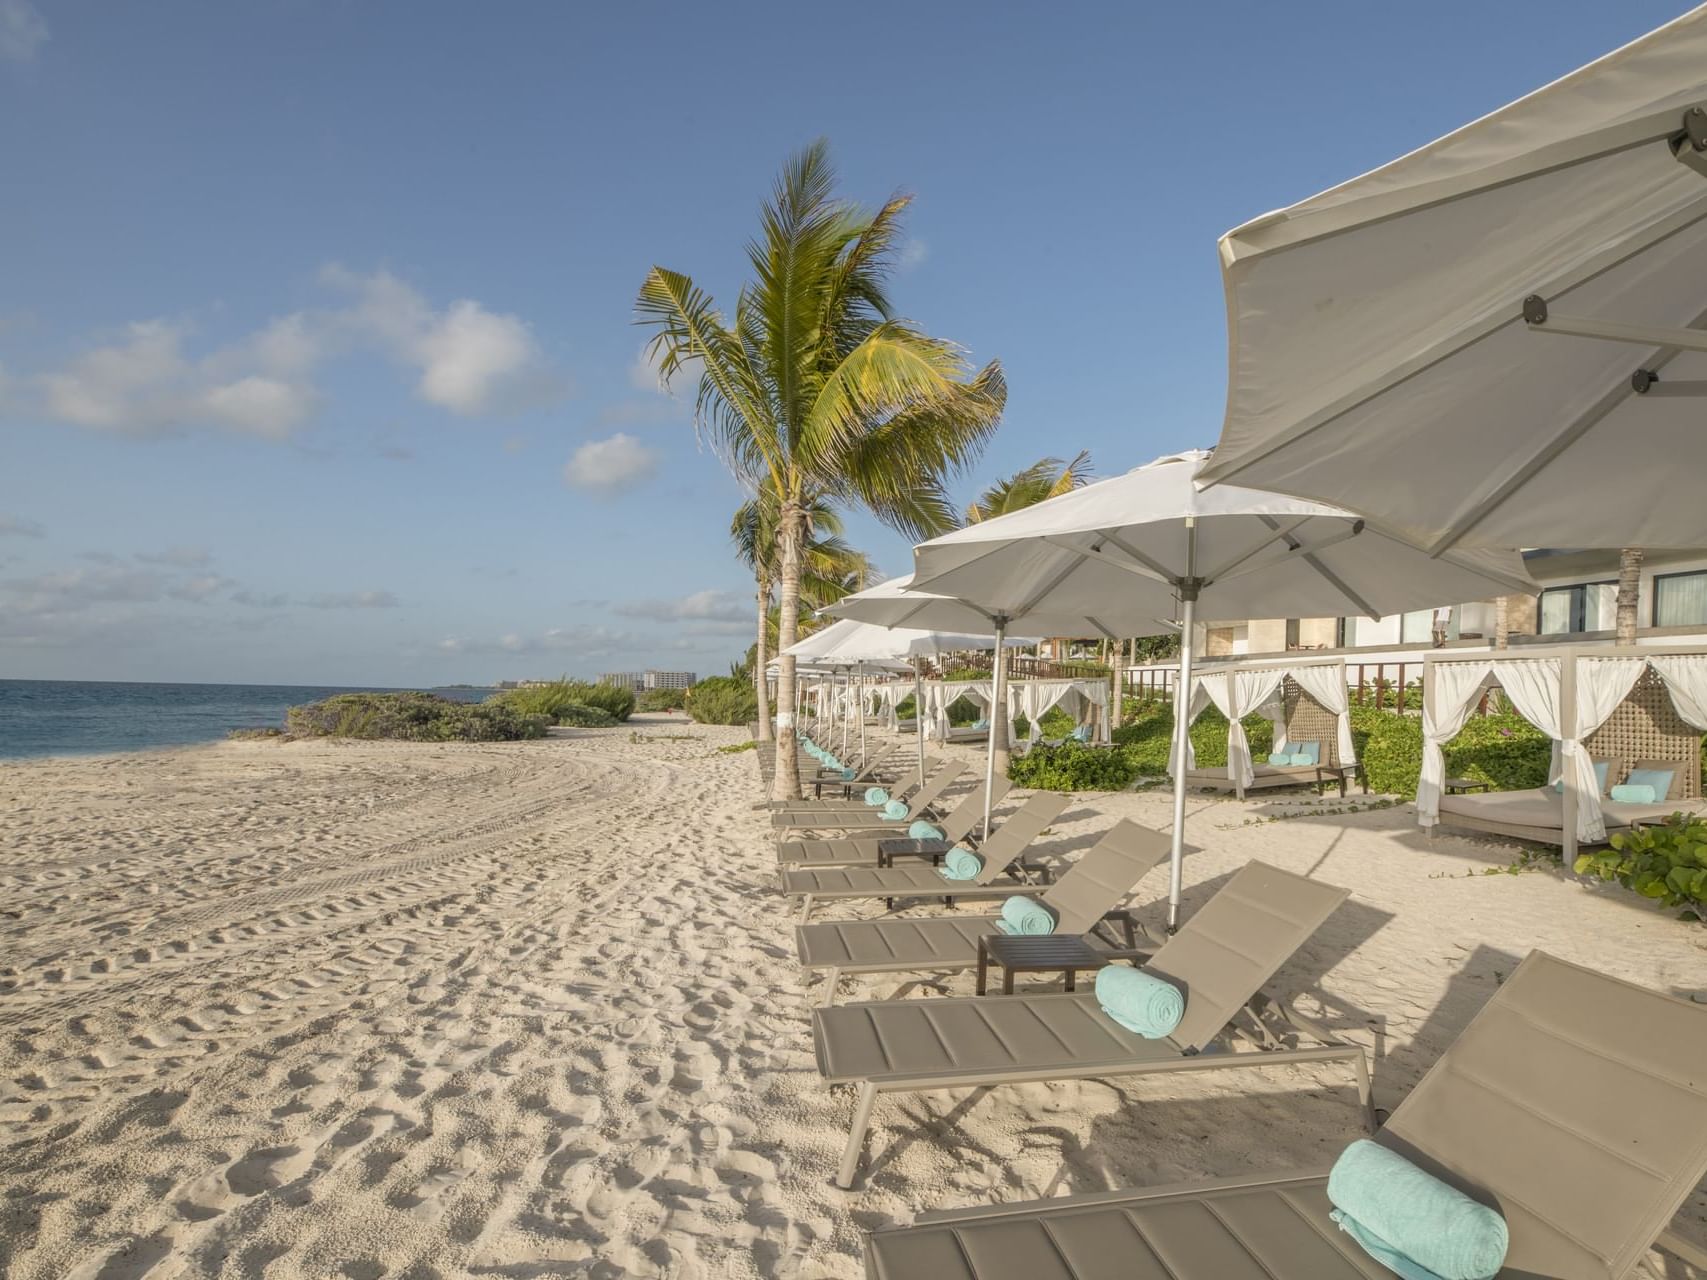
(267, 1169)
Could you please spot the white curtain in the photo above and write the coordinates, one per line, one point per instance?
(1199, 703)
(1253, 689)
(1446, 706)
(1602, 683)
(1218, 689)
(1686, 680)
(1326, 684)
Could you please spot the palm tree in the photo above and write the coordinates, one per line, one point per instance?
(1043, 479)
(831, 569)
(817, 390)
(1629, 594)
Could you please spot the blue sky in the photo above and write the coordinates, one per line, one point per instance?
(316, 353)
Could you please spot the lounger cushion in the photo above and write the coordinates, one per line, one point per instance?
(1658, 780)
(949, 942)
(919, 879)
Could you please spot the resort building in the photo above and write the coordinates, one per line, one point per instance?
(641, 681)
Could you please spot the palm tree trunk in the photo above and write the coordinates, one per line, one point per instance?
(1502, 621)
(1629, 592)
(761, 690)
(787, 785)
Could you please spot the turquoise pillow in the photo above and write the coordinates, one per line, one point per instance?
(1601, 769)
(980, 724)
(1082, 733)
(1411, 1222)
(1311, 751)
(1658, 779)
(1632, 794)
(1026, 917)
(1280, 757)
(1300, 757)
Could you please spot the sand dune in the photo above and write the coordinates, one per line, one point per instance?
(336, 1010)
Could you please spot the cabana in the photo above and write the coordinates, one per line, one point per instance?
(1308, 703)
(1610, 712)
(1032, 699)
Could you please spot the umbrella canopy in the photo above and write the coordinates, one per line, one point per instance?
(1495, 340)
(868, 634)
(1126, 556)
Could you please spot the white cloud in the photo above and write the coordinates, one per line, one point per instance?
(611, 465)
(18, 527)
(584, 640)
(352, 600)
(466, 359)
(199, 589)
(701, 606)
(23, 31)
(143, 383)
(69, 590)
(258, 600)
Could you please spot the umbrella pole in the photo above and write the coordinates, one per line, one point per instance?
(1182, 738)
(847, 697)
(862, 710)
(919, 717)
(998, 706)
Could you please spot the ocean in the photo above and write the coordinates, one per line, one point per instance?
(77, 717)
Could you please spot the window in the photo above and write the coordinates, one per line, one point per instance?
(1417, 627)
(1589, 606)
(1680, 599)
(1292, 640)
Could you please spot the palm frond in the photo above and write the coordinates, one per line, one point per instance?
(1044, 479)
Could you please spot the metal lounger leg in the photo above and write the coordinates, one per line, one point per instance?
(805, 908)
(1365, 1090)
(831, 978)
(856, 1136)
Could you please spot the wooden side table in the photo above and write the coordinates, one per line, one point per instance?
(1464, 786)
(1051, 953)
(1327, 774)
(889, 850)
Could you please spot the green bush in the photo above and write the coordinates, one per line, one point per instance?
(662, 700)
(723, 700)
(411, 717)
(1504, 750)
(1073, 766)
(1148, 734)
(578, 715)
(1667, 863)
(554, 699)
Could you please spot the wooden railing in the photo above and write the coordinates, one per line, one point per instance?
(1022, 666)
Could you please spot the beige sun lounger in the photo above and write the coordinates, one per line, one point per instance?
(1094, 886)
(1221, 958)
(1574, 1103)
(866, 775)
(856, 804)
(870, 850)
(1000, 851)
(869, 817)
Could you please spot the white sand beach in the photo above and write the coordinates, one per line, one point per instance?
(369, 1010)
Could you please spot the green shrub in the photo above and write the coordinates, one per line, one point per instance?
(578, 715)
(905, 709)
(723, 700)
(1667, 863)
(1504, 750)
(1148, 735)
(411, 717)
(615, 699)
(662, 700)
(965, 673)
(1073, 766)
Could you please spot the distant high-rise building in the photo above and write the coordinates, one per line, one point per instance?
(640, 681)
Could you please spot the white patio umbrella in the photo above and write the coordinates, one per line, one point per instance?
(828, 649)
(1496, 340)
(867, 642)
(1129, 555)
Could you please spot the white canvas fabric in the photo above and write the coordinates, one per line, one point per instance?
(1686, 680)
(1455, 688)
(1383, 319)
(1217, 688)
(1326, 684)
(1253, 689)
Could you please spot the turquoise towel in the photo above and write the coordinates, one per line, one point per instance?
(1140, 1001)
(875, 796)
(1026, 917)
(1411, 1222)
(1311, 751)
(1628, 794)
(848, 775)
(894, 810)
(961, 864)
(922, 830)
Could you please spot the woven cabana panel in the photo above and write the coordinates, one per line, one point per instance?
(1645, 726)
(1309, 721)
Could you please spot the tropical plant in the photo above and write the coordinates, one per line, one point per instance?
(722, 700)
(412, 717)
(817, 391)
(1046, 478)
(1666, 862)
(554, 698)
(579, 715)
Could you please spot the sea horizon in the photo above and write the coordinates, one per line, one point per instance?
(48, 718)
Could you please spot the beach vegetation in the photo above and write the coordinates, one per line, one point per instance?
(723, 700)
(411, 717)
(816, 392)
(566, 701)
(1073, 766)
(661, 700)
(1666, 862)
(578, 715)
